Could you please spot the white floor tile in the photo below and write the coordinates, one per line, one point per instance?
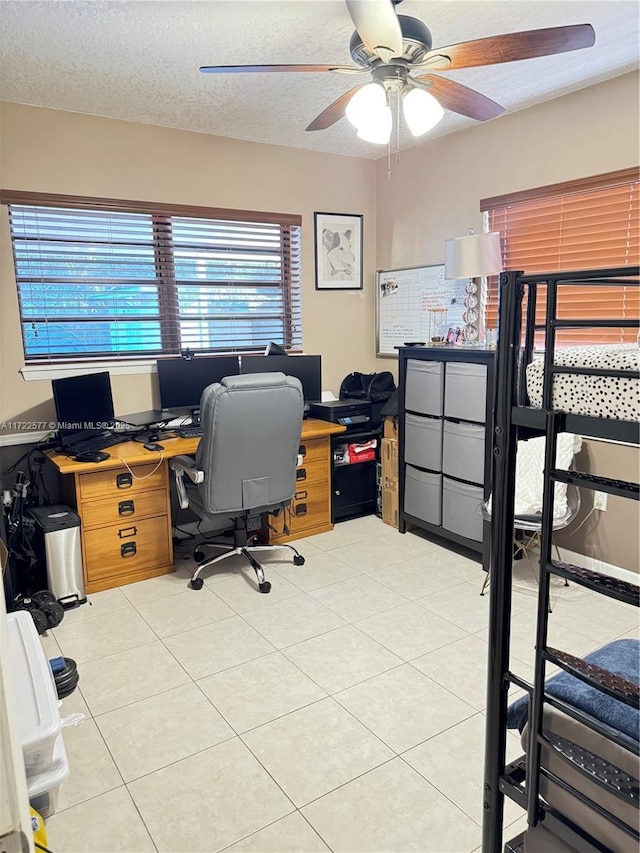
(357, 598)
(290, 834)
(92, 769)
(316, 749)
(341, 658)
(391, 809)
(98, 604)
(182, 612)
(410, 631)
(240, 590)
(259, 691)
(293, 620)
(154, 589)
(370, 555)
(208, 801)
(162, 729)
(415, 578)
(403, 707)
(321, 568)
(89, 639)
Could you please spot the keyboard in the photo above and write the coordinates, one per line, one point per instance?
(189, 431)
(97, 443)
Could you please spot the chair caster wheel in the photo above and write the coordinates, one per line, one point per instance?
(196, 583)
(298, 560)
(265, 586)
(198, 556)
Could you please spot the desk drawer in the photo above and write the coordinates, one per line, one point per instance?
(309, 508)
(124, 509)
(313, 471)
(314, 450)
(124, 548)
(119, 481)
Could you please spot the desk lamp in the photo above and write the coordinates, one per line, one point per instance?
(473, 256)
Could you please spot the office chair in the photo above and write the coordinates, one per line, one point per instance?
(527, 520)
(245, 465)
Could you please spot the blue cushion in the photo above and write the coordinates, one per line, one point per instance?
(621, 657)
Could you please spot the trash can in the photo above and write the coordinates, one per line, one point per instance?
(58, 542)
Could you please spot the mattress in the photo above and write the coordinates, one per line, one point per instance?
(596, 396)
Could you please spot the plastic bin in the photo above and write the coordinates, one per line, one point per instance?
(44, 789)
(423, 387)
(422, 491)
(423, 442)
(463, 451)
(39, 723)
(465, 394)
(461, 508)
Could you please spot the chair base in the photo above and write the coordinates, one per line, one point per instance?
(264, 585)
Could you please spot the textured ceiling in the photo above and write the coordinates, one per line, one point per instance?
(139, 60)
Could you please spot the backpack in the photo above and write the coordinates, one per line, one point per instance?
(374, 387)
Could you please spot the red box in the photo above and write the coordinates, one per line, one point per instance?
(365, 452)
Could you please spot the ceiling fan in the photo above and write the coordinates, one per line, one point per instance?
(388, 47)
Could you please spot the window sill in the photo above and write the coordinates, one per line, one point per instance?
(35, 372)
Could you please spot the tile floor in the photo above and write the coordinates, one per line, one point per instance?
(343, 712)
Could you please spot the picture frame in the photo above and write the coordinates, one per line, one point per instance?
(338, 251)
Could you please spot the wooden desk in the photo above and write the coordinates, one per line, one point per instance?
(125, 507)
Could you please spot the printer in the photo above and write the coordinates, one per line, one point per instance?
(352, 414)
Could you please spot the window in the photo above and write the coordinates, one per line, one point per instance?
(100, 278)
(592, 223)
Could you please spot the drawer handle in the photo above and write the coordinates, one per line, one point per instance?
(128, 549)
(300, 496)
(126, 508)
(302, 450)
(124, 481)
(127, 531)
(301, 474)
(301, 509)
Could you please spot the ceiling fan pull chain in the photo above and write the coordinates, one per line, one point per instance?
(398, 127)
(389, 161)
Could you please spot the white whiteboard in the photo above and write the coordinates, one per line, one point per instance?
(405, 298)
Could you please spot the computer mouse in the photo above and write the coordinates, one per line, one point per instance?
(92, 456)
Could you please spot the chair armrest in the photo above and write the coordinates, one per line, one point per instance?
(181, 465)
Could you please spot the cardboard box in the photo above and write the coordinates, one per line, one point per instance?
(390, 504)
(390, 427)
(389, 458)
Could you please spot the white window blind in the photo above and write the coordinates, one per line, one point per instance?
(102, 282)
(575, 226)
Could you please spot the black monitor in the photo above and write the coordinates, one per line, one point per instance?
(306, 368)
(84, 406)
(182, 380)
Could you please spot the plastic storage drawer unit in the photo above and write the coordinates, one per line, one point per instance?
(461, 509)
(43, 789)
(463, 451)
(465, 394)
(423, 442)
(422, 492)
(423, 387)
(39, 723)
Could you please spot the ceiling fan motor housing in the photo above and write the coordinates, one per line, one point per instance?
(416, 43)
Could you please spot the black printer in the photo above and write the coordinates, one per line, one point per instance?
(353, 414)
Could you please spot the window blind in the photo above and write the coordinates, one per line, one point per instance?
(587, 224)
(102, 282)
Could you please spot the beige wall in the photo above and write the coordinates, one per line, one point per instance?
(59, 152)
(434, 193)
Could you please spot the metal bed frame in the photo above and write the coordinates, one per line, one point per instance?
(515, 418)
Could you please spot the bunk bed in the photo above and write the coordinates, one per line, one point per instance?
(578, 796)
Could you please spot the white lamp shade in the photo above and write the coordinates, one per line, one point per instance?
(472, 256)
(366, 102)
(377, 128)
(421, 111)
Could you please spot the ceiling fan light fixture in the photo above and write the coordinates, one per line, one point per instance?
(421, 110)
(367, 101)
(377, 127)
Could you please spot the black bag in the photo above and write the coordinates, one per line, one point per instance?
(374, 387)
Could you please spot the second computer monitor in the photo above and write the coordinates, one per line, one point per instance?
(182, 380)
(306, 368)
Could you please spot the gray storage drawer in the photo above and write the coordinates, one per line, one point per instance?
(461, 508)
(422, 492)
(465, 394)
(463, 451)
(423, 442)
(424, 386)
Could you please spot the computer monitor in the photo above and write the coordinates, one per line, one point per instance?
(84, 406)
(306, 368)
(182, 380)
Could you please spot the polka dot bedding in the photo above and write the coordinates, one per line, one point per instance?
(596, 396)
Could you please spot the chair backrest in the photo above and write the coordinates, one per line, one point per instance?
(249, 447)
(530, 476)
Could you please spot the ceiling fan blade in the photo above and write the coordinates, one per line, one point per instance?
(458, 98)
(512, 47)
(334, 112)
(378, 26)
(243, 69)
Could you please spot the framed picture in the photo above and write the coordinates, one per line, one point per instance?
(338, 244)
